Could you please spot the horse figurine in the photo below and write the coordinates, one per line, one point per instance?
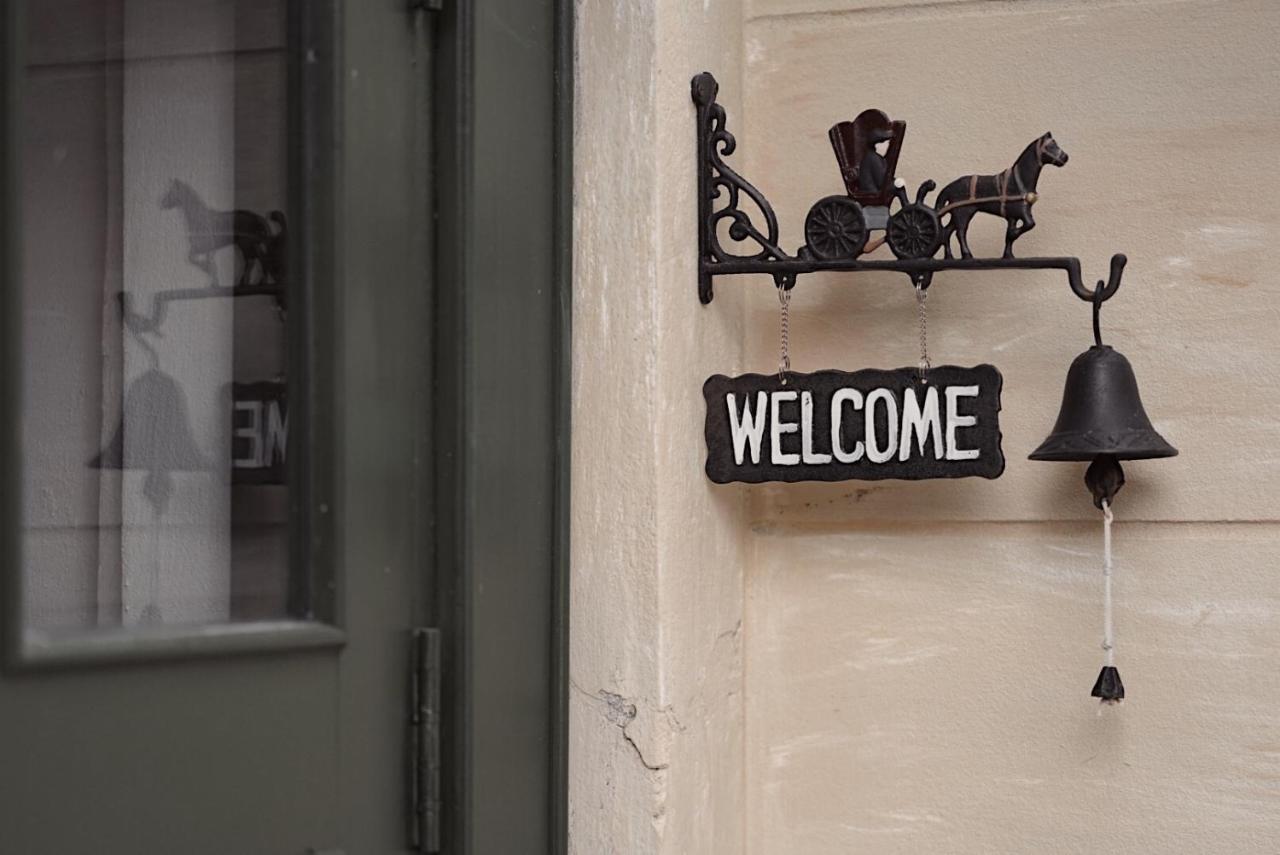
(1009, 195)
(259, 239)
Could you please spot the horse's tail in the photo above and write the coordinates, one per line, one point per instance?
(925, 189)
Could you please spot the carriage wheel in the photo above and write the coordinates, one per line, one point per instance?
(835, 228)
(914, 232)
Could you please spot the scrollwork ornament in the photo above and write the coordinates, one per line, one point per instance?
(721, 190)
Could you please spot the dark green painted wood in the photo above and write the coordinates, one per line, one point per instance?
(314, 133)
(281, 751)
(563, 367)
(138, 645)
(384, 350)
(504, 184)
(11, 64)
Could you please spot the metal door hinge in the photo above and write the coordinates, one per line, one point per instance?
(424, 807)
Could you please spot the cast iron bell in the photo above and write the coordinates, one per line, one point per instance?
(1102, 413)
(1102, 420)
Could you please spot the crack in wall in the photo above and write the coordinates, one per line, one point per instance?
(622, 712)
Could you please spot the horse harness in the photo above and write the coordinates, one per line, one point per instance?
(1002, 182)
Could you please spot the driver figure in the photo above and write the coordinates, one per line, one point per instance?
(874, 168)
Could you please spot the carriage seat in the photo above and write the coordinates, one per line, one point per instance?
(851, 142)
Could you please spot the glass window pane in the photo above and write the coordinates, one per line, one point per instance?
(156, 212)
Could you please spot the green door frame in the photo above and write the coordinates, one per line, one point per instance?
(503, 119)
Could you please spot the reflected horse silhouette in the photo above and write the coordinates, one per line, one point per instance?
(259, 239)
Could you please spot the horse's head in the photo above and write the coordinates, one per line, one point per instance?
(1049, 151)
(173, 197)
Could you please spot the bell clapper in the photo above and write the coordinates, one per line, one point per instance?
(1104, 478)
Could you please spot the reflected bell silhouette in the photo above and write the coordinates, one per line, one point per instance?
(154, 435)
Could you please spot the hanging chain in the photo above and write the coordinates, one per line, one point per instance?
(922, 297)
(784, 355)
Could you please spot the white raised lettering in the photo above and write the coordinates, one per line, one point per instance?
(838, 400)
(806, 432)
(778, 427)
(916, 421)
(875, 453)
(747, 428)
(955, 420)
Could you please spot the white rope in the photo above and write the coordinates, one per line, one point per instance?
(1108, 631)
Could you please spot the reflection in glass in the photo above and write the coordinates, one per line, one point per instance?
(155, 409)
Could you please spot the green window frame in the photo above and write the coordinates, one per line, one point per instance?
(313, 581)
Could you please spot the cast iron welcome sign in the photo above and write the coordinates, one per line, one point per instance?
(866, 425)
(906, 423)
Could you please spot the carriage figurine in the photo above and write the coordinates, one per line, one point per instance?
(839, 227)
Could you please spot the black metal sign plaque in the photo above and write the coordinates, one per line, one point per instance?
(862, 425)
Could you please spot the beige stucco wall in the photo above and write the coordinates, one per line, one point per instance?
(890, 667)
(656, 707)
(919, 655)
